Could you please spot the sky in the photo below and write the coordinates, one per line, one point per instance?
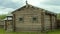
(7, 6)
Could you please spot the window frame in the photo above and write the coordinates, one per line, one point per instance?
(21, 21)
(35, 21)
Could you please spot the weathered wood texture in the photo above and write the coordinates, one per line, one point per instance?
(58, 23)
(1, 24)
(43, 21)
(27, 15)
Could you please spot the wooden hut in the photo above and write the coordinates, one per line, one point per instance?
(31, 18)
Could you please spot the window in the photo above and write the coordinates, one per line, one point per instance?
(21, 20)
(34, 19)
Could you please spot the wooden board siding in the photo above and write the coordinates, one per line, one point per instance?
(14, 22)
(1, 24)
(9, 26)
(27, 15)
(56, 21)
(5, 25)
(44, 21)
(47, 22)
(53, 22)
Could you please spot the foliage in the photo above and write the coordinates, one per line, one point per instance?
(2, 16)
(58, 16)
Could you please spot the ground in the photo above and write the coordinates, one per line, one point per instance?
(2, 31)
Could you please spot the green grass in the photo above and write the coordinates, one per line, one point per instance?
(54, 32)
(2, 31)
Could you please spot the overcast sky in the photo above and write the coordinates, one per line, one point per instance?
(11, 5)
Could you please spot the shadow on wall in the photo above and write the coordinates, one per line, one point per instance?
(58, 23)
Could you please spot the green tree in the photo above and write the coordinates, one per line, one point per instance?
(2, 16)
(58, 16)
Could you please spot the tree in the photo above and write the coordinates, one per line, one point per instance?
(2, 16)
(58, 16)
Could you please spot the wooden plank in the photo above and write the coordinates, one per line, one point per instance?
(42, 21)
(5, 25)
(56, 21)
(14, 25)
(51, 22)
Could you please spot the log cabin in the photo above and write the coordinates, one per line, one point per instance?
(32, 18)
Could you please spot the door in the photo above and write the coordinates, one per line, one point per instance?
(9, 26)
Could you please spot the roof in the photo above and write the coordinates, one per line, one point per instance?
(9, 15)
(34, 7)
(52, 13)
(8, 18)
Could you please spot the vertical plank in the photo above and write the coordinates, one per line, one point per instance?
(14, 25)
(51, 21)
(56, 21)
(42, 21)
(5, 25)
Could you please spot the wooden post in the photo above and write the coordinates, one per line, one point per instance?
(14, 27)
(5, 25)
(56, 21)
(12, 22)
(42, 21)
(51, 21)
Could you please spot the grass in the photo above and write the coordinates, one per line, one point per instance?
(54, 32)
(2, 31)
